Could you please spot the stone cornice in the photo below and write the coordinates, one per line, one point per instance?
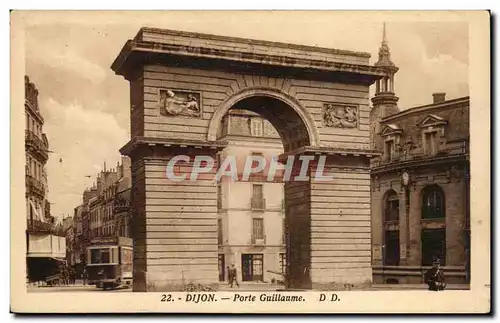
(418, 163)
(331, 151)
(137, 142)
(387, 97)
(28, 106)
(249, 42)
(137, 49)
(450, 104)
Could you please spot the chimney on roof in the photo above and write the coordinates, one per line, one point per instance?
(439, 97)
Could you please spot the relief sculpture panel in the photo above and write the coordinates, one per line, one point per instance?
(173, 103)
(340, 116)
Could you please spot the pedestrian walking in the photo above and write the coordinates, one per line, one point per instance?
(84, 276)
(233, 276)
(72, 275)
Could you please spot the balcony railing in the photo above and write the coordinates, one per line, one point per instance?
(32, 140)
(258, 203)
(258, 240)
(37, 226)
(34, 186)
(121, 207)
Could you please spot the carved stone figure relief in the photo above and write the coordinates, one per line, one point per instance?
(408, 146)
(179, 103)
(340, 116)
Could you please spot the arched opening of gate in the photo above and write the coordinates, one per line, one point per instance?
(256, 259)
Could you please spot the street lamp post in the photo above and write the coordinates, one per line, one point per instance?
(405, 177)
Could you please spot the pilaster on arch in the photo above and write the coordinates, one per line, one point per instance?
(248, 92)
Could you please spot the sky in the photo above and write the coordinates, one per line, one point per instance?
(86, 106)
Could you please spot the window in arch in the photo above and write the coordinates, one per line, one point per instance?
(392, 207)
(433, 203)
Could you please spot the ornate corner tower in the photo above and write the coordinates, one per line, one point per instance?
(385, 100)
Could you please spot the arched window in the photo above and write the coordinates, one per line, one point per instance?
(391, 229)
(391, 207)
(433, 203)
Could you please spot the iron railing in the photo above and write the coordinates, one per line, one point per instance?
(258, 240)
(35, 186)
(258, 203)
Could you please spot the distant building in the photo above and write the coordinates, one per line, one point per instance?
(68, 227)
(420, 185)
(105, 210)
(45, 244)
(79, 241)
(250, 213)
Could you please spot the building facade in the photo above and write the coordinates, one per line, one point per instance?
(105, 209)
(36, 147)
(250, 212)
(420, 185)
(45, 244)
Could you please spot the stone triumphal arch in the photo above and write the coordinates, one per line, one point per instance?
(181, 86)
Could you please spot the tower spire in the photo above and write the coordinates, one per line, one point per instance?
(385, 99)
(384, 36)
(384, 53)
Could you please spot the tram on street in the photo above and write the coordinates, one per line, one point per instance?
(109, 262)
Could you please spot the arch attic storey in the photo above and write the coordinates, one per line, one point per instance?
(319, 106)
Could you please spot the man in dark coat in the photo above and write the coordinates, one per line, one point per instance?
(84, 276)
(233, 276)
(434, 277)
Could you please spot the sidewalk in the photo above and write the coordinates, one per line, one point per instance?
(246, 286)
(416, 287)
(382, 287)
(78, 283)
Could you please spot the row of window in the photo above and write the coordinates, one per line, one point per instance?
(33, 125)
(34, 168)
(252, 267)
(108, 211)
(109, 230)
(430, 144)
(257, 200)
(95, 215)
(258, 232)
(433, 204)
(433, 241)
(433, 246)
(110, 192)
